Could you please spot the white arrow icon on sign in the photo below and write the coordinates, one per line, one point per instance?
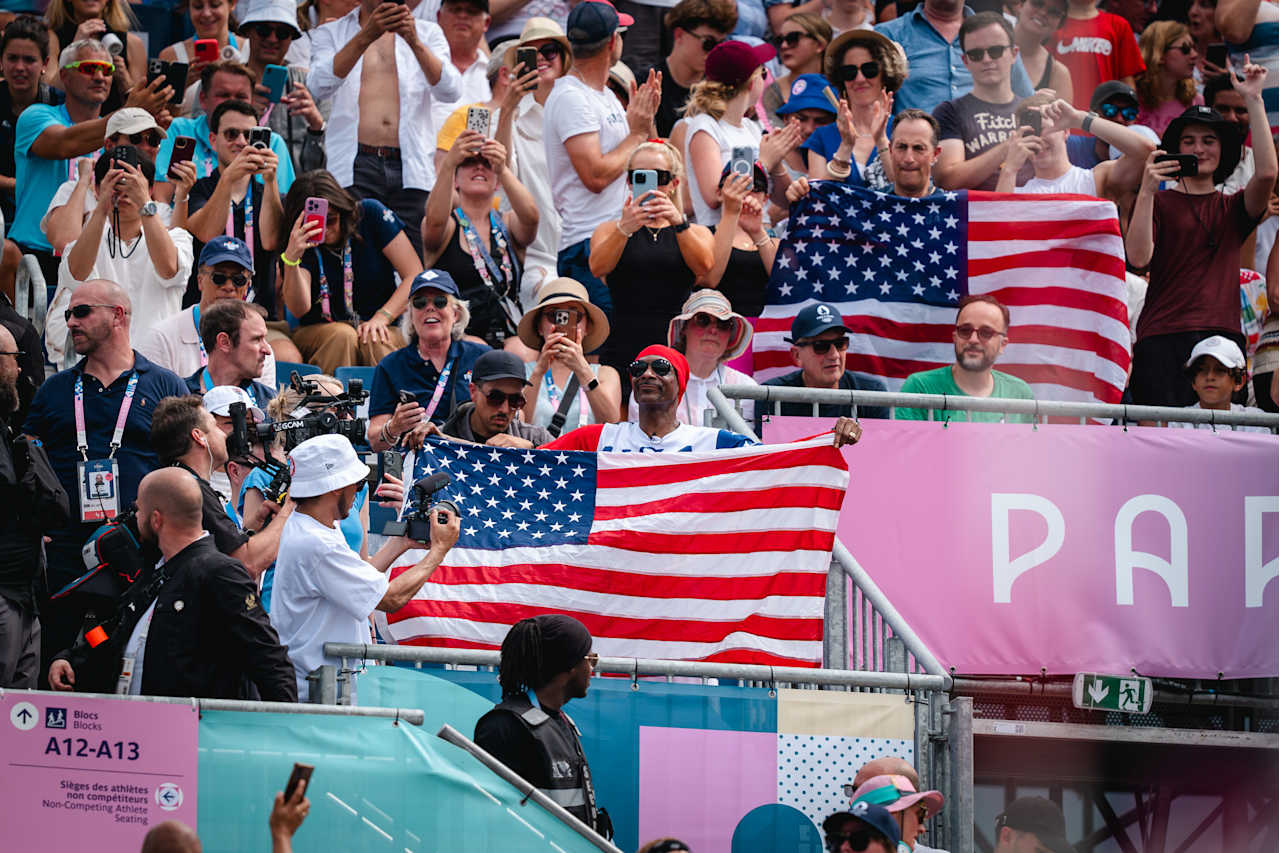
(1098, 692)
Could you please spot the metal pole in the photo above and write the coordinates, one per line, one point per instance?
(835, 630)
(322, 685)
(453, 736)
(958, 726)
(731, 417)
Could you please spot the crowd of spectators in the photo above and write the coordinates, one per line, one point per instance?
(536, 224)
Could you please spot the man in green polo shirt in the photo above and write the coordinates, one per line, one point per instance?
(981, 332)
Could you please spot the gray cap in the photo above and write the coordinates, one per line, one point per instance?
(498, 364)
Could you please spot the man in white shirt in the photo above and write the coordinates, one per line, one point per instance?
(588, 138)
(324, 592)
(1047, 152)
(224, 272)
(465, 23)
(385, 69)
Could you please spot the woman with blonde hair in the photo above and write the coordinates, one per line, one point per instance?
(717, 124)
(1168, 85)
(109, 21)
(800, 44)
(650, 256)
(866, 68)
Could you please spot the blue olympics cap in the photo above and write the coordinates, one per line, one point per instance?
(806, 94)
(437, 279)
(814, 320)
(221, 249)
(875, 816)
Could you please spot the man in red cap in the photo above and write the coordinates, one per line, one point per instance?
(658, 379)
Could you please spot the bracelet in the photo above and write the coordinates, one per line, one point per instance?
(384, 312)
(180, 200)
(289, 263)
(385, 434)
(618, 224)
(760, 244)
(838, 172)
(593, 384)
(682, 227)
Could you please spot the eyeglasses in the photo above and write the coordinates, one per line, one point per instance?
(664, 176)
(849, 73)
(440, 301)
(995, 52)
(859, 840)
(593, 658)
(231, 134)
(922, 813)
(238, 280)
(985, 333)
(152, 138)
(550, 51)
(1055, 8)
(824, 346)
(670, 846)
(702, 321)
(660, 367)
(1186, 49)
(708, 43)
(15, 353)
(280, 31)
(788, 39)
(83, 310)
(91, 67)
(1109, 111)
(476, 162)
(496, 398)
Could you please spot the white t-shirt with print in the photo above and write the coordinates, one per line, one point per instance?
(572, 109)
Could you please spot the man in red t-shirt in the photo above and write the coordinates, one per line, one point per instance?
(1096, 47)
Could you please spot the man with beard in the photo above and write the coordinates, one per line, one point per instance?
(30, 511)
(497, 396)
(981, 333)
(190, 626)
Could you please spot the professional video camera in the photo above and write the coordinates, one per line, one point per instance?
(113, 558)
(303, 425)
(416, 523)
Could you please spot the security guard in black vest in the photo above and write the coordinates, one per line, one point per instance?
(551, 657)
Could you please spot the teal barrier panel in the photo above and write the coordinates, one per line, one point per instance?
(378, 784)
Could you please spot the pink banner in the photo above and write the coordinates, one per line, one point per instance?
(1009, 549)
(91, 773)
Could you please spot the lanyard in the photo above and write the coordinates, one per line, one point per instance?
(497, 275)
(347, 285)
(82, 441)
(195, 315)
(440, 386)
(553, 394)
(248, 219)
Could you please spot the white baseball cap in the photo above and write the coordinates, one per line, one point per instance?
(1225, 350)
(323, 464)
(130, 120)
(218, 400)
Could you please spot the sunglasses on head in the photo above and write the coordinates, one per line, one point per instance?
(824, 346)
(707, 43)
(788, 39)
(91, 67)
(985, 333)
(995, 52)
(664, 176)
(280, 31)
(153, 138)
(496, 398)
(660, 367)
(238, 280)
(849, 73)
(440, 301)
(231, 134)
(859, 840)
(1128, 112)
(83, 310)
(702, 321)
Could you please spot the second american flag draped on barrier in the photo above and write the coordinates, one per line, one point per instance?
(714, 556)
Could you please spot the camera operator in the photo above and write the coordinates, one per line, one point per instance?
(324, 592)
(234, 337)
(185, 435)
(37, 500)
(190, 626)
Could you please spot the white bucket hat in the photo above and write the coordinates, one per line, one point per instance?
(323, 464)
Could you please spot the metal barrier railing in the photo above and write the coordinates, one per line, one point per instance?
(1039, 409)
(31, 296)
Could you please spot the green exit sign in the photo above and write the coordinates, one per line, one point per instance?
(1130, 694)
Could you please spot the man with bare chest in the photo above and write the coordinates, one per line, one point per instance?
(380, 65)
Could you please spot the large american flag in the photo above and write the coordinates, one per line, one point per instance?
(715, 556)
(897, 267)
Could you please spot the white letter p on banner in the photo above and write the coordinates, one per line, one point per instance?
(1004, 571)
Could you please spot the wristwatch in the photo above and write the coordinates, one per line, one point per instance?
(149, 209)
(682, 227)
(1087, 121)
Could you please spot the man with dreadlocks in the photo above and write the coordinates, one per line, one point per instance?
(550, 657)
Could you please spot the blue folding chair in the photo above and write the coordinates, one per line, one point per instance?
(285, 369)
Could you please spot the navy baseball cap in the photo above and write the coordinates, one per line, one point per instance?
(874, 816)
(498, 364)
(436, 279)
(814, 320)
(806, 94)
(594, 21)
(221, 249)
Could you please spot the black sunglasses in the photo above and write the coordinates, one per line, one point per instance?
(708, 42)
(422, 300)
(238, 280)
(1184, 49)
(550, 51)
(859, 840)
(849, 73)
(496, 398)
(664, 177)
(150, 137)
(995, 52)
(823, 347)
(1129, 113)
(280, 31)
(702, 321)
(83, 310)
(231, 134)
(788, 39)
(660, 367)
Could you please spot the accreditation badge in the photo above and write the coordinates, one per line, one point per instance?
(99, 482)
